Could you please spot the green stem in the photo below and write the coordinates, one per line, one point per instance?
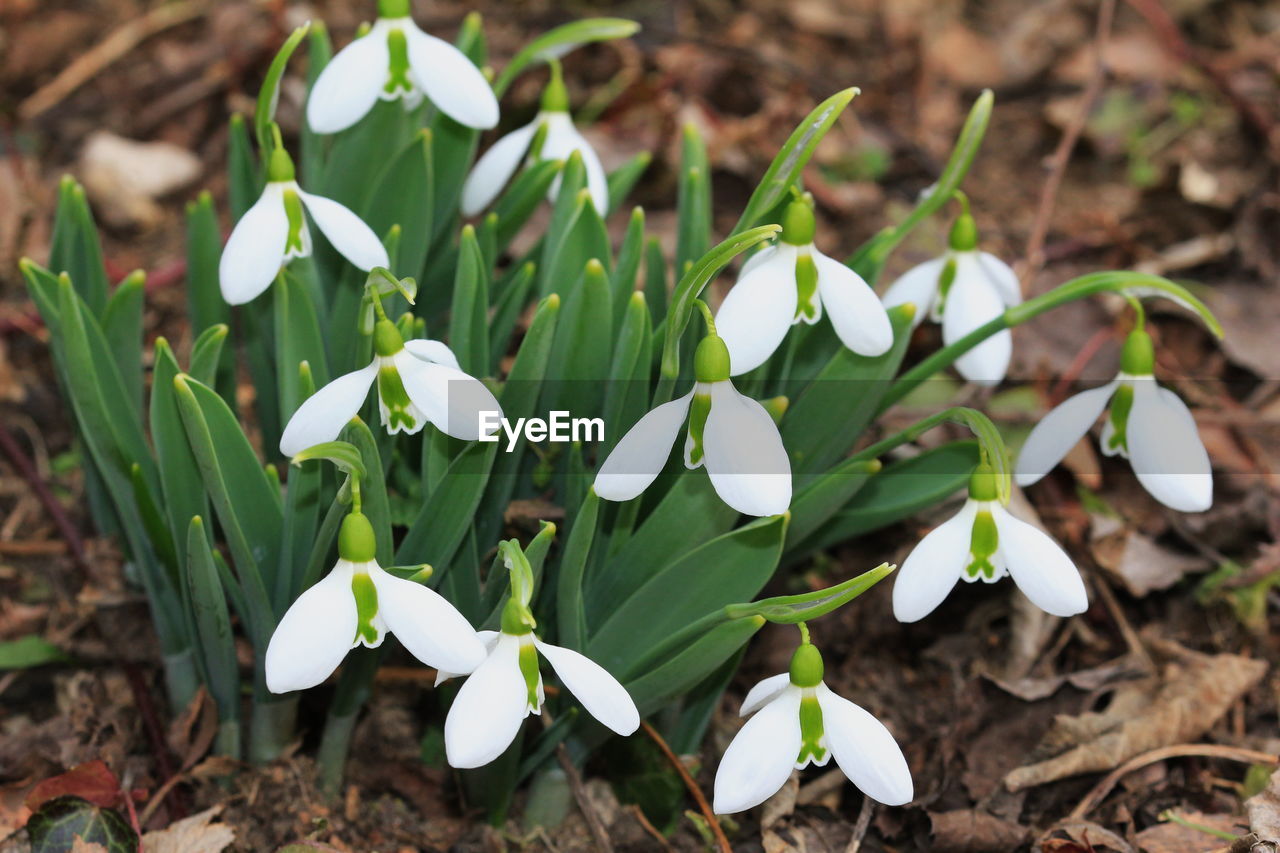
(324, 541)
(354, 686)
(272, 727)
(181, 678)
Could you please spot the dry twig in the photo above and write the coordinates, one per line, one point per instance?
(689, 782)
(597, 827)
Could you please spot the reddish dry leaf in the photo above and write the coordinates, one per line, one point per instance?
(92, 781)
(1181, 704)
(973, 831)
(1175, 838)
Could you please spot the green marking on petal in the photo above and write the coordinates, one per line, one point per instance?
(366, 595)
(1121, 405)
(945, 280)
(698, 413)
(983, 543)
(398, 68)
(529, 669)
(395, 400)
(295, 244)
(806, 288)
(811, 731)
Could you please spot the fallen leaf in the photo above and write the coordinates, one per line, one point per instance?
(1264, 810)
(1084, 837)
(973, 831)
(92, 781)
(1190, 694)
(1170, 837)
(1140, 563)
(124, 177)
(195, 834)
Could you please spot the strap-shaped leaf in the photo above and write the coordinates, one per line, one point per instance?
(522, 198)
(654, 686)
(298, 340)
(626, 396)
(559, 41)
(269, 95)
(569, 601)
(469, 319)
(214, 637)
(122, 328)
(182, 491)
(244, 179)
(790, 609)
(75, 248)
(622, 280)
(405, 196)
(693, 199)
(449, 512)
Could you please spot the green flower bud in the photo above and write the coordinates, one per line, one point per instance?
(798, 223)
(356, 542)
(806, 666)
(1138, 357)
(711, 360)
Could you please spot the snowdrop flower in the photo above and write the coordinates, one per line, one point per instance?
(983, 541)
(798, 721)
(494, 701)
(550, 136)
(274, 231)
(396, 59)
(962, 290)
(1147, 424)
(418, 381)
(791, 283)
(733, 436)
(357, 603)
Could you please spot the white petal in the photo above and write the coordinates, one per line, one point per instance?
(971, 302)
(858, 316)
(346, 232)
(593, 686)
(1165, 449)
(865, 750)
(933, 567)
(757, 258)
(1039, 566)
(323, 415)
(759, 310)
(562, 140)
(488, 639)
(451, 80)
(761, 757)
(488, 710)
(449, 398)
(314, 635)
(1058, 432)
(764, 692)
(637, 459)
(433, 351)
(919, 286)
(492, 171)
(428, 626)
(1002, 276)
(255, 250)
(349, 85)
(745, 458)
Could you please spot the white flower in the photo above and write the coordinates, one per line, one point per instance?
(560, 139)
(798, 721)
(983, 541)
(396, 59)
(418, 381)
(731, 435)
(357, 603)
(1147, 424)
(507, 687)
(963, 289)
(793, 282)
(275, 230)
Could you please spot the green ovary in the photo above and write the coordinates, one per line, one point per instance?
(811, 732)
(1121, 405)
(397, 409)
(983, 543)
(366, 595)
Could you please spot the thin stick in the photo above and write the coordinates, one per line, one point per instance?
(860, 828)
(27, 470)
(1034, 256)
(594, 823)
(1182, 750)
(694, 790)
(638, 813)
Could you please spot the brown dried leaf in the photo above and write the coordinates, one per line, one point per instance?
(1172, 837)
(79, 845)
(973, 831)
(1264, 810)
(1191, 693)
(195, 834)
(92, 781)
(1141, 564)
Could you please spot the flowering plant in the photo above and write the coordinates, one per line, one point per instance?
(390, 520)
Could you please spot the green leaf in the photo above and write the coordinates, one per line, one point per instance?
(298, 339)
(75, 248)
(122, 327)
(243, 181)
(561, 40)
(510, 305)
(691, 663)
(790, 609)
(789, 163)
(584, 344)
(181, 489)
(405, 196)
(269, 94)
(623, 179)
(583, 238)
(822, 497)
(212, 623)
(57, 824)
(731, 568)
(469, 319)
(314, 145)
(623, 279)
(693, 203)
(453, 144)
(205, 305)
(569, 602)
(449, 512)
(517, 204)
(626, 396)
(655, 277)
(206, 354)
(29, 651)
(343, 454)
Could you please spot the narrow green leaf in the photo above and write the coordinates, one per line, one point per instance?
(623, 279)
(244, 183)
(314, 145)
(122, 327)
(469, 319)
(212, 622)
(693, 203)
(269, 94)
(75, 248)
(510, 305)
(655, 277)
(405, 196)
(298, 339)
(561, 40)
(569, 599)
(515, 206)
(583, 347)
(655, 687)
(626, 396)
(623, 179)
(205, 305)
(29, 651)
(206, 354)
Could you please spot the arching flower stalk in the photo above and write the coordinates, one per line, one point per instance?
(275, 231)
(1148, 425)
(984, 542)
(963, 289)
(729, 434)
(550, 136)
(396, 60)
(791, 283)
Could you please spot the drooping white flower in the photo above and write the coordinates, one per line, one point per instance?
(275, 230)
(983, 541)
(798, 721)
(559, 138)
(731, 435)
(963, 290)
(358, 603)
(418, 381)
(397, 60)
(793, 282)
(1147, 424)
(493, 702)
